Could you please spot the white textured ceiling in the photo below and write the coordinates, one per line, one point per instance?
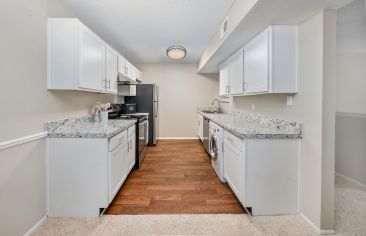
(143, 29)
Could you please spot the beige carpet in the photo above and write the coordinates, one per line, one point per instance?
(178, 225)
(350, 221)
(350, 208)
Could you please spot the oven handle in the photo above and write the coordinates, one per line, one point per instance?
(146, 131)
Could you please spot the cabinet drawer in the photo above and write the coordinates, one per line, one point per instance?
(118, 139)
(233, 140)
(131, 130)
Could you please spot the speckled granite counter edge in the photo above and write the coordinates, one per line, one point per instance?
(52, 126)
(255, 136)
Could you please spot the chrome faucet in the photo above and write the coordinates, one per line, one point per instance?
(218, 103)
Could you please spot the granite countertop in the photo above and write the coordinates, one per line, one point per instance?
(253, 126)
(85, 127)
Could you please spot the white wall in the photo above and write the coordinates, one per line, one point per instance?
(236, 13)
(26, 105)
(351, 58)
(351, 96)
(307, 109)
(351, 82)
(181, 92)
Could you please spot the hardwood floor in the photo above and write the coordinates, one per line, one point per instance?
(176, 177)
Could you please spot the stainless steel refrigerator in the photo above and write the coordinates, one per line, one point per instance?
(147, 101)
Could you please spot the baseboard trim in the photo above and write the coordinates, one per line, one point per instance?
(22, 140)
(310, 223)
(362, 185)
(34, 227)
(327, 232)
(178, 138)
(316, 228)
(349, 114)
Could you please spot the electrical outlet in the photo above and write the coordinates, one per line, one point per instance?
(290, 101)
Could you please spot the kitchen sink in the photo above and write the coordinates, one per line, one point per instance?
(211, 111)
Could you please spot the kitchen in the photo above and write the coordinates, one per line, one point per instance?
(230, 115)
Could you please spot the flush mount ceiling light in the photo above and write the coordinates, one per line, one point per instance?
(176, 52)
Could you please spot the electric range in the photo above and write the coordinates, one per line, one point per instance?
(142, 129)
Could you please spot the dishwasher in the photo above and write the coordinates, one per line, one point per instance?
(206, 131)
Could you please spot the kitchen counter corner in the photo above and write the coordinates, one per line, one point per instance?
(85, 127)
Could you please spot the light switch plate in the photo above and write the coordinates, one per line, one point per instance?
(253, 106)
(290, 101)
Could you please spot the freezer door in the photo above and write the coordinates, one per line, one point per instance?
(156, 122)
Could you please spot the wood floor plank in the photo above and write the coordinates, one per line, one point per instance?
(176, 177)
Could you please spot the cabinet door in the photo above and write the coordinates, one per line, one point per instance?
(233, 169)
(121, 65)
(91, 61)
(140, 76)
(224, 80)
(133, 72)
(131, 152)
(116, 170)
(236, 73)
(256, 64)
(111, 70)
(129, 70)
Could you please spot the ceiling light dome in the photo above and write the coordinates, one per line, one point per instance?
(176, 52)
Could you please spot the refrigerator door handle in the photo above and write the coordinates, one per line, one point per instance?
(157, 110)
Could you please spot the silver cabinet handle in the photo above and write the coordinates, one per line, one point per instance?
(109, 84)
(104, 83)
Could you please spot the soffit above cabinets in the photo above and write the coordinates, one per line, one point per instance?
(142, 30)
(256, 16)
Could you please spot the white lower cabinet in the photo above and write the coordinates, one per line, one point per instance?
(234, 169)
(117, 167)
(263, 173)
(85, 174)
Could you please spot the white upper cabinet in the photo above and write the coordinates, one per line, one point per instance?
(91, 60)
(266, 64)
(127, 70)
(79, 60)
(76, 56)
(130, 70)
(271, 61)
(236, 73)
(111, 70)
(140, 76)
(224, 80)
(256, 64)
(231, 75)
(121, 65)
(133, 73)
